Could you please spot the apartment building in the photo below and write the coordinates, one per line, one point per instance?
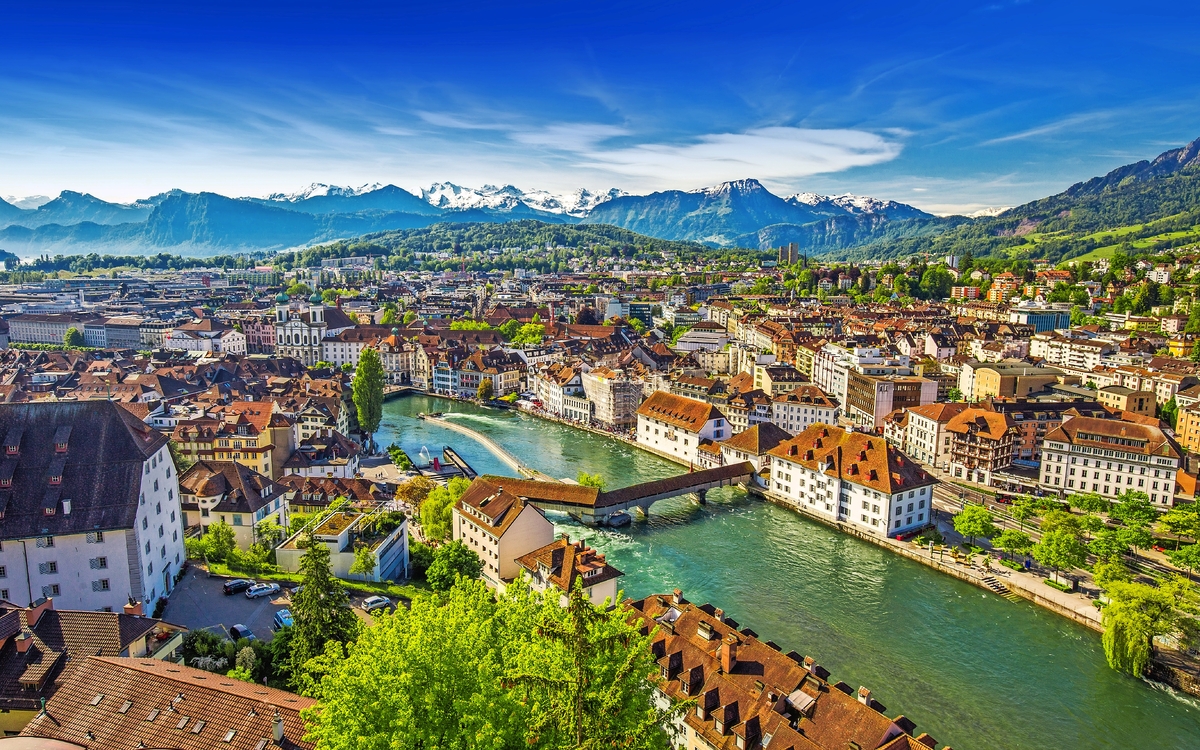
(673, 426)
(1108, 457)
(925, 436)
(806, 405)
(982, 442)
(563, 564)
(870, 398)
(1074, 353)
(852, 478)
(90, 506)
(231, 493)
(48, 328)
(500, 527)
(1120, 398)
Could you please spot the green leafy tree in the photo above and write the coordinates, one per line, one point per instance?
(1138, 537)
(414, 491)
(509, 328)
(1186, 558)
(486, 390)
(1169, 412)
(437, 511)
(420, 557)
(975, 521)
(367, 389)
(1109, 544)
(1060, 550)
(1133, 508)
(389, 317)
(1061, 520)
(409, 317)
(1108, 571)
(321, 611)
(364, 562)
(268, 532)
(450, 561)
(1089, 502)
(299, 289)
(530, 334)
(472, 671)
(1135, 615)
(954, 394)
(590, 480)
(1182, 520)
(219, 541)
(1023, 510)
(1013, 542)
(73, 338)
(469, 325)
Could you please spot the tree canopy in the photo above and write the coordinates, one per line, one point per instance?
(367, 390)
(321, 613)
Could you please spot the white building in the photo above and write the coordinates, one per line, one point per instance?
(926, 439)
(89, 506)
(673, 426)
(499, 527)
(206, 335)
(300, 329)
(1108, 457)
(852, 478)
(797, 409)
(562, 564)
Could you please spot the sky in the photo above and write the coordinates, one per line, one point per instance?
(949, 106)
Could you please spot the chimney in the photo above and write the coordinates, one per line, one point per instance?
(864, 696)
(809, 663)
(729, 654)
(277, 728)
(66, 507)
(34, 613)
(133, 608)
(719, 614)
(677, 596)
(24, 640)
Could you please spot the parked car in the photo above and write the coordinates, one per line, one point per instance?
(239, 631)
(236, 585)
(296, 590)
(372, 603)
(262, 589)
(283, 619)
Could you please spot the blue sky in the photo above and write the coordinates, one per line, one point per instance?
(951, 106)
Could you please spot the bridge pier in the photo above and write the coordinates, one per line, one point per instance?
(702, 497)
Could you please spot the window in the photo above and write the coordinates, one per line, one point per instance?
(145, 523)
(158, 507)
(4, 574)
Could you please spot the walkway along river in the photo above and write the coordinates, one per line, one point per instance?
(974, 670)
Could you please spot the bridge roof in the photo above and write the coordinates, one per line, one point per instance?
(550, 492)
(678, 483)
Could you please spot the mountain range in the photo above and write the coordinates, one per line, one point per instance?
(739, 213)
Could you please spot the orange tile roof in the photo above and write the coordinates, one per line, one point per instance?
(684, 413)
(855, 457)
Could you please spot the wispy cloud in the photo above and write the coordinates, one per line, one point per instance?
(775, 153)
(1066, 123)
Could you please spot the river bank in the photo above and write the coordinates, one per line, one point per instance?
(974, 670)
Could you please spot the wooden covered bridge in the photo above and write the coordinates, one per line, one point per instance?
(593, 507)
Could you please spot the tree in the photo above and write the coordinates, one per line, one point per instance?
(590, 480)
(1060, 550)
(1089, 502)
(1060, 520)
(219, 541)
(1186, 558)
(367, 389)
(1109, 544)
(1023, 510)
(409, 317)
(364, 562)
(321, 611)
(975, 521)
(451, 561)
(954, 394)
(389, 317)
(1138, 537)
(437, 512)
(1182, 520)
(1135, 614)
(299, 289)
(530, 334)
(268, 532)
(414, 491)
(486, 390)
(1013, 542)
(475, 671)
(73, 339)
(1110, 570)
(1133, 508)
(420, 557)
(1169, 412)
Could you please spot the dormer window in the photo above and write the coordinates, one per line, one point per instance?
(56, 479)
(719, 726)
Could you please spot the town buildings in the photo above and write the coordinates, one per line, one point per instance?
(563, 564)
(1108, 457)
(500, 527)
(673, 426)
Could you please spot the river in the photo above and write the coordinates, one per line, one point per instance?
(974, 670)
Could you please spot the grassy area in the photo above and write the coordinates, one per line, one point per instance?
(410, 590)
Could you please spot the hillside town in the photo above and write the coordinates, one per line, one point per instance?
(146, 416)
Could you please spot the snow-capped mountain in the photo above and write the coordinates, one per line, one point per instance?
(318, 189)
(854, 204)
(447, 195)
(28, 202)
(987, 212)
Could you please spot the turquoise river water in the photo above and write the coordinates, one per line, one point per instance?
(974, 670)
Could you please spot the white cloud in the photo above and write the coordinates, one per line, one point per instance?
(775, 153)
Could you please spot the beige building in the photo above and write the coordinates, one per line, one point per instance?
(499, 527)
(615, 397)
(1108, 457)
(1014, 381)
(1120, 398)
(224, 491)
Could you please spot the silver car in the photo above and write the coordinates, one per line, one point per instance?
(262, 589)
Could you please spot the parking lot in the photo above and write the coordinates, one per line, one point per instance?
(198, 603)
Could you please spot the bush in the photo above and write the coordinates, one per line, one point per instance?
(420, 557)
(1057, 585)
(1012, 564)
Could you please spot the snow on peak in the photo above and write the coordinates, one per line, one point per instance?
(848, 202)
(318, 189)
(27, 201)
(732, 186)
(987, 212)
(508, 197)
